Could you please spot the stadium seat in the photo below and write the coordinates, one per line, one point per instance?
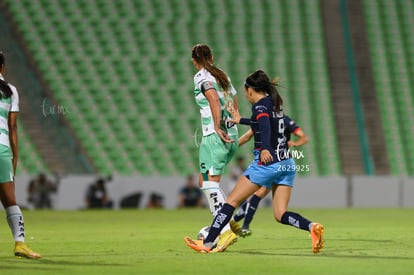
(127, 68)
(29, 159)
(390, 38)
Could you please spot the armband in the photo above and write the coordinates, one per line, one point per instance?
(205, 86)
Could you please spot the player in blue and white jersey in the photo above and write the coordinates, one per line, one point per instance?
(9, 108)
(249, 207)
(268, 169)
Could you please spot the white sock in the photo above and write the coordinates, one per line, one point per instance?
(16, 223)
(215, 197)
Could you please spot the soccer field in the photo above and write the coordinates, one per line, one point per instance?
(358, 241)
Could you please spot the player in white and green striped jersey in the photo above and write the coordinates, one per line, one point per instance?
(9, 108)
(216, 97)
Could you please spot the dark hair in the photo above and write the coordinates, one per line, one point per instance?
(5, 90)
(259, 81)
(202, 54)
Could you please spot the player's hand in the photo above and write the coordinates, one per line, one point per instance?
(224, 136)
(291, 144)
(235, 116)
(265, 156)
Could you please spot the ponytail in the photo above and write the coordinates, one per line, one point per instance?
(277, 99)
(259, 81)
(202, 54)
(5, 90)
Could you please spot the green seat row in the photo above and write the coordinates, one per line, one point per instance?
(124, 70)
(389, 26)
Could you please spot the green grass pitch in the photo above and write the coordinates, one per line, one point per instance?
(358, 241)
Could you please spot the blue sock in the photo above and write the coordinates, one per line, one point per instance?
(253, 203)
(241, 212)
(296, 220)
(220, 220)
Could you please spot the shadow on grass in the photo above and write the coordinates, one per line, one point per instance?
(327, 253)
(45, 264)
(346, 249)
(362, 240)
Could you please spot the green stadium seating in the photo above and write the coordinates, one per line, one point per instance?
(125, 70)
(389, 25)
(29, 160)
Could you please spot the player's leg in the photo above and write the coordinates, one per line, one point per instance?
(281, 191)
(242, 190)
(252, 207)
(15, 220)
(213, 159)
(210, 176)
(211, 188)
(231, 149)
(281, 196)
(262, 177)
(241, 211)
(14, 215)
(216, 200)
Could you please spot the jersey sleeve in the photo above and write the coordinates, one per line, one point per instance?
(291, 125)
(261, 114)
(14, 107)
(200, 78)
(233, 91)
(259, 111)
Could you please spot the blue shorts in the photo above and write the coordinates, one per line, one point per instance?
(276, 173)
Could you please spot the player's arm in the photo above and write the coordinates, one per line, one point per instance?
(210, 93)
(302, 138)
(264, 126)
(235, 103)
(238, 119)
(245, 137)
(12, 122)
